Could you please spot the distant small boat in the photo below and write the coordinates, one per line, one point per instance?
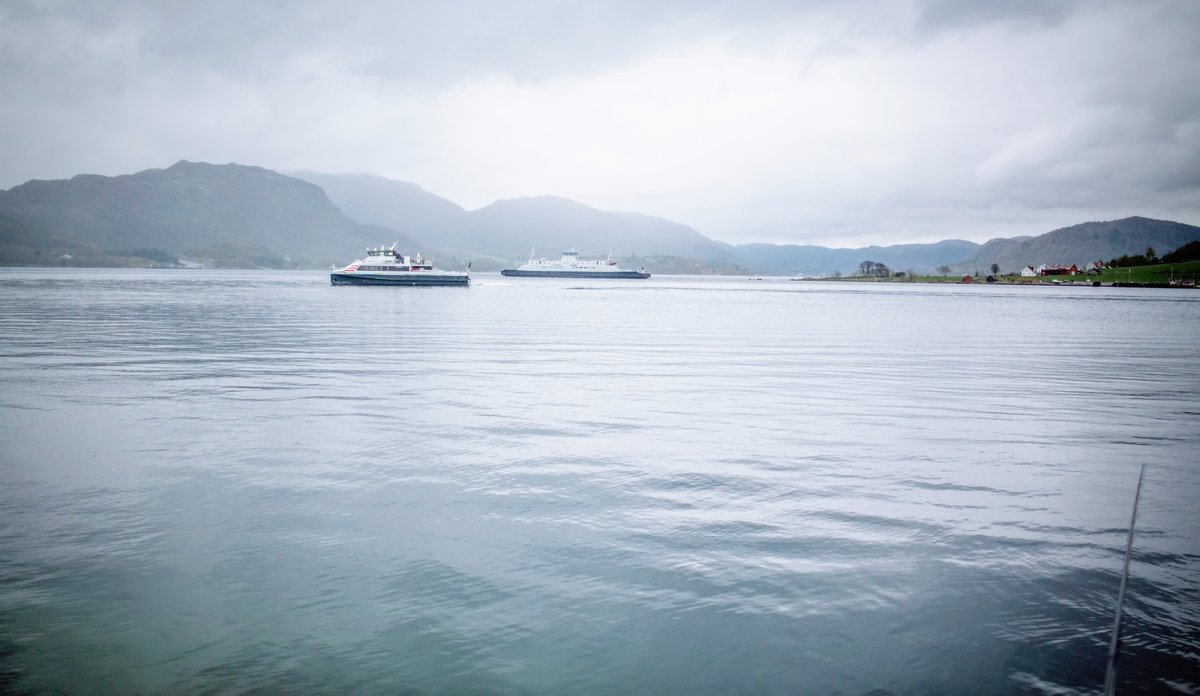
(571, 266)
(383, 266)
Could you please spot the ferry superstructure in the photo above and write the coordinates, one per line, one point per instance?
(384, 266)
(571, 266)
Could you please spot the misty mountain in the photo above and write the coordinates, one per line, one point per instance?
(1078, 244)
(228, 214)
(508, 230)
(235, 215)
(398, 205)
(817, 260)
(514, 227)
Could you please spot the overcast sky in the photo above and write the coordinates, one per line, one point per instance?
(841, 123)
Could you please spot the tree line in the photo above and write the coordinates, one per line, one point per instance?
(1187, 252)
(874, 268)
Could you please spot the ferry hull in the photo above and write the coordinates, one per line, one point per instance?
(401, 279)
(515, 272)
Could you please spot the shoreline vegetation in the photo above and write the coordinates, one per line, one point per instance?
(1183, 274)
(1179, 275)
(1179, 268)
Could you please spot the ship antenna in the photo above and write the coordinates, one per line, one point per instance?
(1114, 645)
(532, 251)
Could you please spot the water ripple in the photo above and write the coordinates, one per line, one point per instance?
(234, 482)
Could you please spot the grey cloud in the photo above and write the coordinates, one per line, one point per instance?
(426, 43)
(97, 86)
(937, 15)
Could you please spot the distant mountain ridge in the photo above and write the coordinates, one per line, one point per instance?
(507, 230)
(189, 209)
(1079, 244)
(397, 205)
(251, 217)
(816, 260)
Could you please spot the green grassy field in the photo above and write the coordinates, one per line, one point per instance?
(1158, 273)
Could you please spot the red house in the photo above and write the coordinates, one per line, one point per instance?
(1059, 269)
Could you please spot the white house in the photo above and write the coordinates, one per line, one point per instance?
(1028, 272)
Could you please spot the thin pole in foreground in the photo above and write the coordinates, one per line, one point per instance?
(1114, 646)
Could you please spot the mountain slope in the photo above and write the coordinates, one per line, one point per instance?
(398, 205)
(508, 229)
(185, 210)
(817, 260)
(241, 215)
(511, 228)
(1078, 244)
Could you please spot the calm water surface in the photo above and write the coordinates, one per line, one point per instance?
(252, 482)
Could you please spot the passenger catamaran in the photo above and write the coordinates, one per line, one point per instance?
(571, 266)
(383, 266)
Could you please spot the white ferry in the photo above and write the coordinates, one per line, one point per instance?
(383, 266)
(571, 266)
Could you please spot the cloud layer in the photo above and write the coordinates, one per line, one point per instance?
(842, 123)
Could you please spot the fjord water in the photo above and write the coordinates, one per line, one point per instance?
(251, 482)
